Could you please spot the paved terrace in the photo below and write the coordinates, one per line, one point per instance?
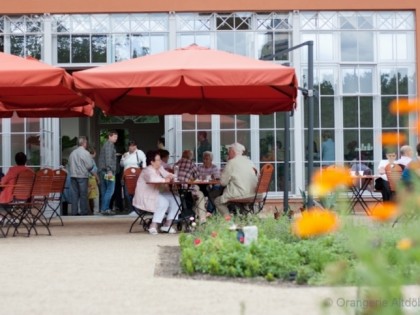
(93, 265)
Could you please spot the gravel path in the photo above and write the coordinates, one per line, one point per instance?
(93, 265)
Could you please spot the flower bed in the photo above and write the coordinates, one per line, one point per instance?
(280, 254)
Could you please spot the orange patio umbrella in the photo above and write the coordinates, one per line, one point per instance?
(29, 84)
(194, 80)
(77, 111)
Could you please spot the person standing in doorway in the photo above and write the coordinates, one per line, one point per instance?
(161, 143)
(328, 149)
(203, 145)
(107, 169)
(134, 157)
(81, 164)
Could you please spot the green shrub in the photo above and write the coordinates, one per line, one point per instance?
(278, 254)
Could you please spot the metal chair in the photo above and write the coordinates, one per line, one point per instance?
(253, 205)
(39, 198)
(54, 200)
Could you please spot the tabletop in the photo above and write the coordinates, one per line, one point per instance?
(365, 176)
(190, 182)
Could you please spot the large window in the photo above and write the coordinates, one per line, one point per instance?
(363, 60)
(24, 135)
(22, 35)
(262, 35)
(272, 148)
(105, 38)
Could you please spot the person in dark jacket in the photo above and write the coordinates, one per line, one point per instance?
(107, 168)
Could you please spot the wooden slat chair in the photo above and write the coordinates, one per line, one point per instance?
(130, 178)
(16, 212)
(255, 204)
(55, 198)
(39, 198)
(393, 173)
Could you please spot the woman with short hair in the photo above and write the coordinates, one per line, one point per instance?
(151, 198)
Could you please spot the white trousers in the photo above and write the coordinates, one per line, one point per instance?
(200, 206)
(166, 204)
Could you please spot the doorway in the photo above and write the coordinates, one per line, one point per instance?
(145, 130)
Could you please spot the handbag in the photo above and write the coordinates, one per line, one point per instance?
(379, 183)
(139, 163)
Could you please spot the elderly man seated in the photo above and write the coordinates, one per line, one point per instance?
(238, 177)
(187, 170)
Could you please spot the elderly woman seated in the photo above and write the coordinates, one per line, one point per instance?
(207, 171)
(152, 198)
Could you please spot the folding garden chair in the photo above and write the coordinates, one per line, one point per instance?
(39, 199)
(15, 213)
(393, 173)
(130, 177)
(56, 194)
(254, 205)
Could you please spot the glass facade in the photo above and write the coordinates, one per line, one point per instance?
(22, 35)
(363, 60)
(107, 38)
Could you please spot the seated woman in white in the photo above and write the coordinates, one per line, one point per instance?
(152, 198)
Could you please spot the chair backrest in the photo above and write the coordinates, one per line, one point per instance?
(393, 173)
(23, 185)
(266, 175)
(58, 181)
(130, 177)
(43, 183)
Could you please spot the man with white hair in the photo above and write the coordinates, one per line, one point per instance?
(406, 155)
(239, 179)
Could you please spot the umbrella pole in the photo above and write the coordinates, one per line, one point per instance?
(286, 162)
(310, 92)
(310, 118)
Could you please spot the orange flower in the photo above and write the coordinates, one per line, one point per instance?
(393, 138)
(404, 106)
(384, 212)
(315, 222)
(404, 244)
(327, 180)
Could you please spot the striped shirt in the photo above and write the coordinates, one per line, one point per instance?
(213, 171)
